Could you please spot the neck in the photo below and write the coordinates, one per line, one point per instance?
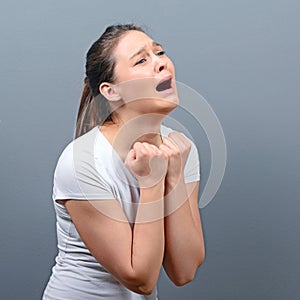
(143, 128)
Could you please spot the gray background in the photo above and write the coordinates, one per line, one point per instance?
(242, 56)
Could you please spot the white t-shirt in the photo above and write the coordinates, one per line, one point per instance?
(90, 169)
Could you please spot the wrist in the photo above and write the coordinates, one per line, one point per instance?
(174, 182)
(151, 204)
(154, 192)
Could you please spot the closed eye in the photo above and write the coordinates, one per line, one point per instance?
(160, 53)
(140, 61)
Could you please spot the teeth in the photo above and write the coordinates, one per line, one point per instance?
(164, 85)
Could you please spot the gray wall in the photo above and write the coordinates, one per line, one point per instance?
(242, 56)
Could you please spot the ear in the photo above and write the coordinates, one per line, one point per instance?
(109, 91)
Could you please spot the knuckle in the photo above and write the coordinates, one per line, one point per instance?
(176, 152)
(188, 143)
(173, 133)
(137, 145)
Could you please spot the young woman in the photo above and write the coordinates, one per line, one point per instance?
(126, 189)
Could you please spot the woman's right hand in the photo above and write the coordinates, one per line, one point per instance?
(147, 163)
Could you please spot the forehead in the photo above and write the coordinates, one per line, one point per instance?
(131, 42)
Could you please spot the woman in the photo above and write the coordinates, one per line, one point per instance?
(126, 189)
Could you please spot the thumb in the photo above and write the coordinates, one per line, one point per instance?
(130, 156)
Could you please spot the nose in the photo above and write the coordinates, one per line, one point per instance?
(160, 64)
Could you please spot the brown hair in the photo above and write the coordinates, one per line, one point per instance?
(94, 109)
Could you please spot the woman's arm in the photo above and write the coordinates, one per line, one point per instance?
(133, 257)
(184, 243)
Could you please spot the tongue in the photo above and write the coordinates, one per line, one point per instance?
(163, 86)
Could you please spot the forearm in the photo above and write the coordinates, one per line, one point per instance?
(148, 235)
(184, 245)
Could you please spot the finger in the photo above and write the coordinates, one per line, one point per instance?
(179, 138)
(155, 150)
(170, 143)
(130, 156)
(137, 146)
(151, 149)
(148, 146)
(139, 149)
(163, 153)
(166, 149)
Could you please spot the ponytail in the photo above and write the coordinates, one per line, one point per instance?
(94, 109)
(81, 125)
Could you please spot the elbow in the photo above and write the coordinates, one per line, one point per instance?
(145, 289)
(140, 284)
(183, 279)
(201, 259)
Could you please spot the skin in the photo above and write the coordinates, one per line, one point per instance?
(173, 238)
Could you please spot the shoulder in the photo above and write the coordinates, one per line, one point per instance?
(64, 180)
(78, 147)
(76, 174)
(66, 156)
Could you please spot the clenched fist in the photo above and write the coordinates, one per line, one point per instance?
(177, 148)
(148, 163)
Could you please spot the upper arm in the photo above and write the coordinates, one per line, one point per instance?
(104, 229)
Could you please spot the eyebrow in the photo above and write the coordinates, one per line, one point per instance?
(154, 44)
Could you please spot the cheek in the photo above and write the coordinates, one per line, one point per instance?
(125, 74)
(145, 72)
(137, 88)
(121, 74)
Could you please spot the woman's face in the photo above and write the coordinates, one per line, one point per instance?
(144, 72)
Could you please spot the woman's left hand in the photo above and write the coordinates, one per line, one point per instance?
(177, 147)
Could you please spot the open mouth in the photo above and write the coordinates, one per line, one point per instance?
(164, 85)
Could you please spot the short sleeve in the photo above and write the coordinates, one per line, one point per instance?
(192, 167)
(76, 177)
(65, 185)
